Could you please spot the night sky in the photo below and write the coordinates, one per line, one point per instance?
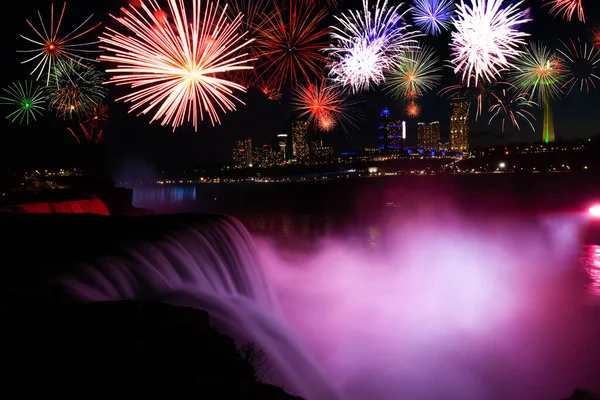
(132, 138)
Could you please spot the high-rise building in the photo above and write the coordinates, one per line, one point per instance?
(319, 152)
(282, 140)
(265, 156)
(300, 139)
(242, 154)
(391, 133)
(428, 135)
(459, 124)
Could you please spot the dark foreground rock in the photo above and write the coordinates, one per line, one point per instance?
(580, 394)
(123, 350)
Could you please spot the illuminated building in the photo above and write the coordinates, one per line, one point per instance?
(428, 135)
(391, 133)
(242, 154)
(282, 140)
(300, 139)
(318, 152)
(265, 156)
(459, 124)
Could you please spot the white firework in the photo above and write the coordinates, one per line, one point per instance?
(487, 38)
(367, 44)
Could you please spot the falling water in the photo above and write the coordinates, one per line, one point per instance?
(210, 266)
(447, 308)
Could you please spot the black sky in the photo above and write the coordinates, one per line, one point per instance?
(128, 136)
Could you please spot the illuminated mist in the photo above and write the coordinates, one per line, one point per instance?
(441, 307)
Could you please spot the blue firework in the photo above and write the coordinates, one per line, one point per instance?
(433, 16)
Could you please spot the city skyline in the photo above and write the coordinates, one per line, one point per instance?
(129, 135)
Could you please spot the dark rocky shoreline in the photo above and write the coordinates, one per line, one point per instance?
(124, 350)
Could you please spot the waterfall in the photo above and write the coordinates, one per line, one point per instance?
(211, 265)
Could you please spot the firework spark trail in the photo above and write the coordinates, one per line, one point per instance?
(177, 68)
(415, 73)
(567, 9)
(486, 40)
(289, 42)
(55, 47)
(90, 135)
(478, 95)
(27, 98)
(512, 106)
(433, 16)
(367, 44)
(324, 105)
(581, 61)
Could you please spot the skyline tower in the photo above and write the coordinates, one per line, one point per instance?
(548, 128)
(282, 140)
(459, 124)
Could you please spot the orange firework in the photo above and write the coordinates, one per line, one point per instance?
(178, 69)
(324, 105)
(413, 110)
(289, 43)
(596, 38)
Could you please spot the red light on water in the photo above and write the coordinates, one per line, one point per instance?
(595, 211)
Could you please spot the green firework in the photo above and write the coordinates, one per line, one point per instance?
(75, 88)
(539, 72)
(27, 100)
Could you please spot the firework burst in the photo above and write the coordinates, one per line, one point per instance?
(512, 106)
(539, 72)
(75, 88)
(412, 109)
(567, 8)
(367, 44)
(486, 40)
(289, 41)
(26, 98)
(325, 106)
(52, 46)
(415, 73)
(97, 114)
(581, 61)
(177, 69)
(433, 16)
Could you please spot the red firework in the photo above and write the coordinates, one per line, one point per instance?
(91, 135)
(289, 43)
(567, 8)
(98, 113)
(324, 105)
